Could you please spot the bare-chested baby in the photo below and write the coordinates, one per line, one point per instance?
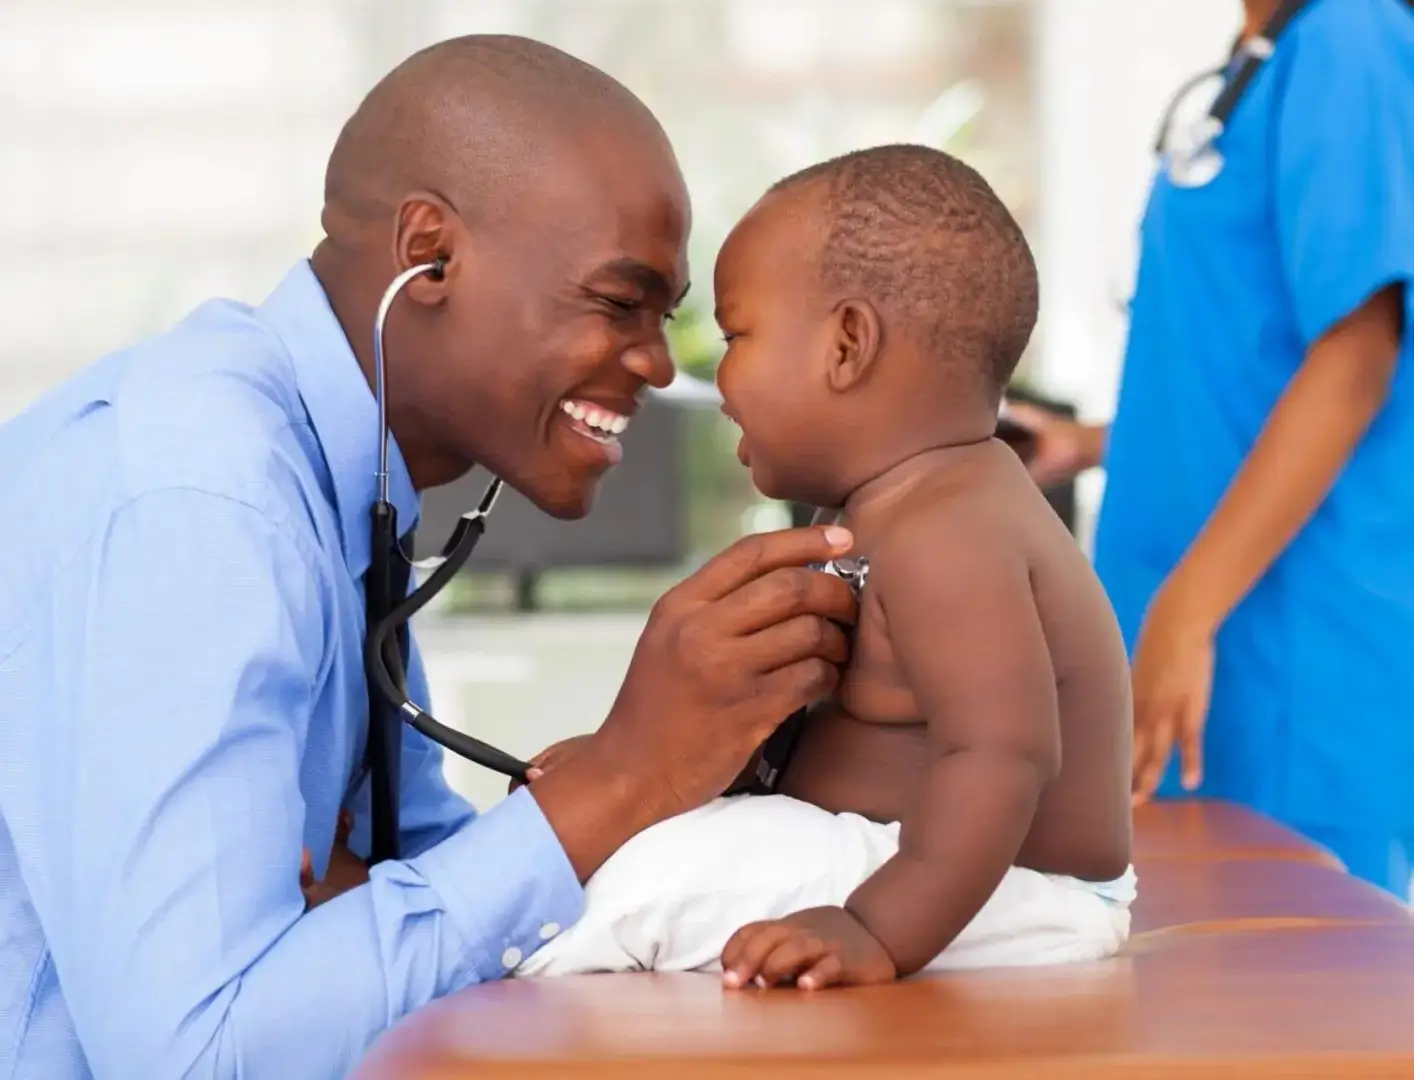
(963, 800)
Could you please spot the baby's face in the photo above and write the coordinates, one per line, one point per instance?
(775, 322)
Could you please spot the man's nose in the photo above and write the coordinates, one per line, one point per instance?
(653, 363)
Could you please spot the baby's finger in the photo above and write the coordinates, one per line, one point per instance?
(828, 971)
(748, 948)
(794, 955)
(735, 948)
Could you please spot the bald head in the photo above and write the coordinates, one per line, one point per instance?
(469, 119)
(552, 199)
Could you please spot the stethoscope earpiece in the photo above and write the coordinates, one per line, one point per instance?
(439, 268)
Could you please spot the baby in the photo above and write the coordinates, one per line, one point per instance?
(963, 800)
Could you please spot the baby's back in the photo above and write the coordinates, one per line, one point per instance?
(867, 751)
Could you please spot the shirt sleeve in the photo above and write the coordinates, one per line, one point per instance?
(1344, 159)
(172, 829)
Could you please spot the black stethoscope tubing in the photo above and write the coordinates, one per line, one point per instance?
(384, 664)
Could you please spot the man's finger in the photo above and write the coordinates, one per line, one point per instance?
(785, 594)
(802, 683)
(752, 556)
(796, 639)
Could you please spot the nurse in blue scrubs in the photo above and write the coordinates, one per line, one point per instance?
(1257, 532)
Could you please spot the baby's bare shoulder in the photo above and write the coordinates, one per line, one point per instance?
(965, 522)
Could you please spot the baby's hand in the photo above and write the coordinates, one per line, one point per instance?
(820, 947)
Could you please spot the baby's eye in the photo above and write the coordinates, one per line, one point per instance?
(728, 337)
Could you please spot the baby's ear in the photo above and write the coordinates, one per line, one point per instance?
(856, 340)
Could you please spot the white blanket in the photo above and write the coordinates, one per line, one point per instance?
(671, 898)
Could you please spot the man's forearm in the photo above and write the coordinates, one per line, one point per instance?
(594, 807)
(1308, 439)
(954, 850)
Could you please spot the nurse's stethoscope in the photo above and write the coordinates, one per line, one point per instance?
(389, 608)
(1196, 161)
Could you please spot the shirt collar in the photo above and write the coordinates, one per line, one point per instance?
(341, 408)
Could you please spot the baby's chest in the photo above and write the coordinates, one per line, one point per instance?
(873, 688)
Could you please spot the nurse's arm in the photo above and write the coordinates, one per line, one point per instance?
(188, 642)
(1309, 437)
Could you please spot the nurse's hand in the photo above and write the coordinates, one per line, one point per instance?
(1173, 683)
(726, 656)
(1063, 448)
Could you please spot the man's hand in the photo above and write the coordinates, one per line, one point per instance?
(1063, 448)
(346, 870)
(726, 656)
(1173, 683)
(548, 758)
(813, 949)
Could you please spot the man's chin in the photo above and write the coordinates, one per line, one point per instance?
(567, 500)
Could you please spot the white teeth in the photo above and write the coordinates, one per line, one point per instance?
(594, 417)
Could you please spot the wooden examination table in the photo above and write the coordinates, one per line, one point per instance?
(1253, 956)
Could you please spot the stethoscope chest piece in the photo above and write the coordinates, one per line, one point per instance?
(1195, 169)
(854, 572)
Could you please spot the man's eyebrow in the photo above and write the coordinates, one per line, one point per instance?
(647, 278)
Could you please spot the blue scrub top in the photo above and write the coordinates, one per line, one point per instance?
(1313, 701)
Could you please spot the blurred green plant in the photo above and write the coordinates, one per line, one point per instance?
(696, 342)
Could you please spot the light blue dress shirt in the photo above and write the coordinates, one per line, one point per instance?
(183, 710)
(1314, 213)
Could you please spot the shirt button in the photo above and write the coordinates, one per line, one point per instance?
(549, 930)
(511, 958)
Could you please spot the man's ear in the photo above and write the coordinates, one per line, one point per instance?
(857, 340)
(427, 231)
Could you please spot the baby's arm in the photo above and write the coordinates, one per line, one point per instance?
(963, 625)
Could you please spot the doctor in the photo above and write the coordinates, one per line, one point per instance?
(182, 697)
(1257, 532)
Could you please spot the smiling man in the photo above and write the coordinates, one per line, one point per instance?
(182, 700)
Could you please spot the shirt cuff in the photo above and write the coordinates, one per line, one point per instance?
(507, 886)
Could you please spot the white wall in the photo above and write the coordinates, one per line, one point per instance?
(1106, 69)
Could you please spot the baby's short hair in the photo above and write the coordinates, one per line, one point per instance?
(923, 235)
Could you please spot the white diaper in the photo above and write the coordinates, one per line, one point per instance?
(670, 899)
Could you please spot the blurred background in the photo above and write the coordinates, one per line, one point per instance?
(154, 153)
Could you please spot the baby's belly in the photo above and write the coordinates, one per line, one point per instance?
(846, 765)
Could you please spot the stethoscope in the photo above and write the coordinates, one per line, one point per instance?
(389, 608)
(1199, 163)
